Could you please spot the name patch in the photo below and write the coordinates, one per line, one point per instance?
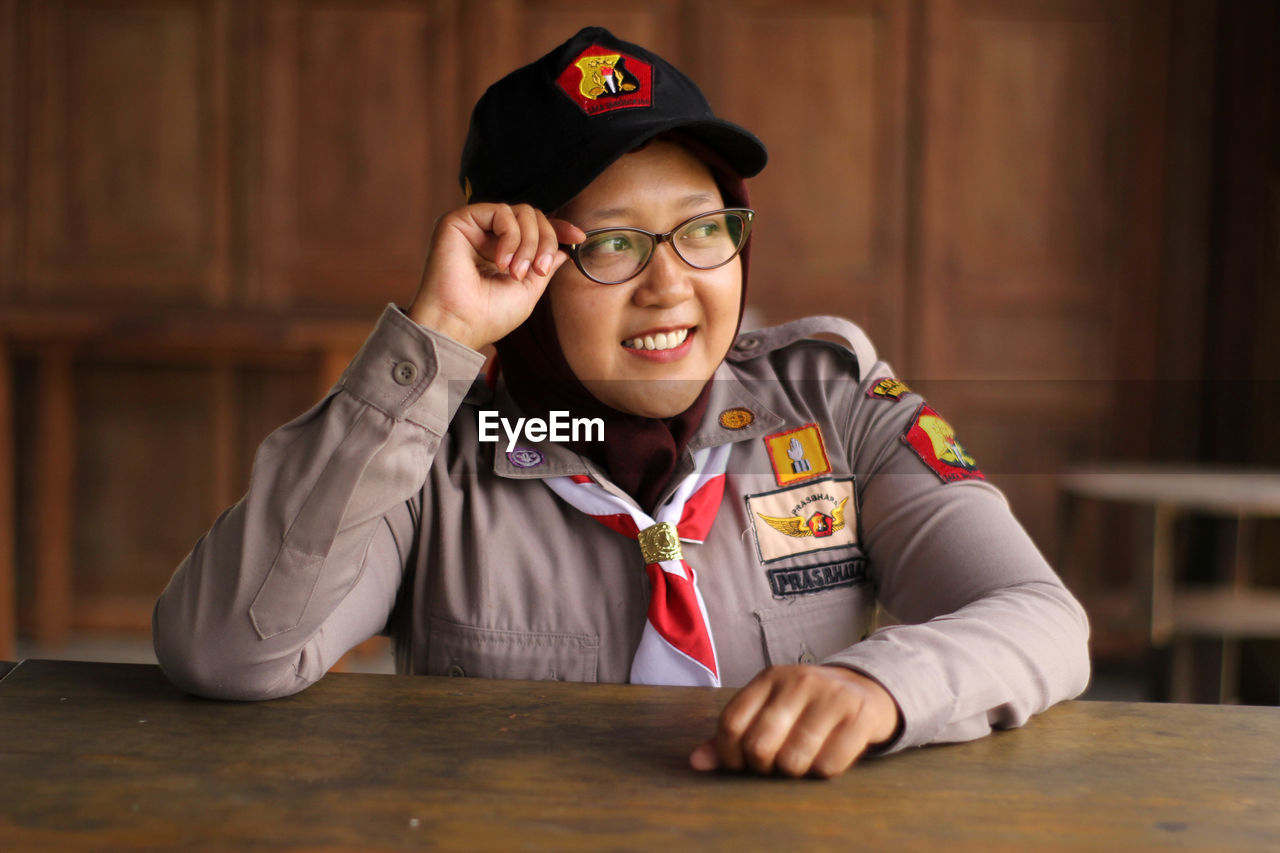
(817, 578)
(817, 516)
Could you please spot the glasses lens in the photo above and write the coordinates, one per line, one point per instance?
(614, 256)
(711, 240)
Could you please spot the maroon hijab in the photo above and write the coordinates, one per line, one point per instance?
(640, 454)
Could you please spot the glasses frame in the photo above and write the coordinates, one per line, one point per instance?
(748, 219)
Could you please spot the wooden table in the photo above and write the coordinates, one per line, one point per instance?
(1175, 612)
(109, 756)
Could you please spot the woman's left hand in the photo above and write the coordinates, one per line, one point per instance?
(800, 719)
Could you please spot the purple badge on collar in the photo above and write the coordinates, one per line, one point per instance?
(524, 457)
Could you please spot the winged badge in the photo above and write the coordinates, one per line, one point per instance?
(819, 524)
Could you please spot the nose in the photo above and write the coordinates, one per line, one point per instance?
(666, 281)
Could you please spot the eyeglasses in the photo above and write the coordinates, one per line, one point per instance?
(707, 241)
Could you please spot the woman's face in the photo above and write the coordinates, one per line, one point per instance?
(655, 188)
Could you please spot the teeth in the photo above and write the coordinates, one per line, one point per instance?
(662, 340)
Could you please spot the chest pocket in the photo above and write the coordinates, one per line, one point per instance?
(807, 630)
(464, 650)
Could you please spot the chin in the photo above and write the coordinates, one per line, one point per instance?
(651, 398)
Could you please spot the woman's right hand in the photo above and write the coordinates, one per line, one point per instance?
(486, 268)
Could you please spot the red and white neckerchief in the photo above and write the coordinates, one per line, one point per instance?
(676, 647)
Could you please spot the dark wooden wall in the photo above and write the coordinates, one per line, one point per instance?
(1015, 199)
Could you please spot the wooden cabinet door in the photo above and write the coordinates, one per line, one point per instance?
(824, 85)
(351, 120)
(1030, 315)
(126, 153)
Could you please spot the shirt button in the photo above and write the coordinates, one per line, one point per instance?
(745, 344)
(455, 671)
(808, 657)
(405, 372)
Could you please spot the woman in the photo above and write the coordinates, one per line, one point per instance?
(775, 485)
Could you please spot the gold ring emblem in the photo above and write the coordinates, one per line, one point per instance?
(660, 542)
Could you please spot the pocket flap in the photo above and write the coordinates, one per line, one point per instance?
(455, 649)
(809, 631)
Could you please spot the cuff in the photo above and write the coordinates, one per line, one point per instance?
(925, 704)
(411, 372)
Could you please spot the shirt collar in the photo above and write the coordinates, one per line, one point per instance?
(733, 414)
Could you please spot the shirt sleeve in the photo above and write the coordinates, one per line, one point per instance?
(989, 635)
(307, 564)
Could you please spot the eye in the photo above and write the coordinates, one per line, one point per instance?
(607, 244)
(703, 229)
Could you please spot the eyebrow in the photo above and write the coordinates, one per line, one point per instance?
(607, 213)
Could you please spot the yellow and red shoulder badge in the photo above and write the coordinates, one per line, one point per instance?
(797, 454)
(888, 389)
(934, 441)
(602, 80)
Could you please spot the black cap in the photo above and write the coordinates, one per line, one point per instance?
(542, 133)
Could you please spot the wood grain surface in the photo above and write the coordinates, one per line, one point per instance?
(110, 756)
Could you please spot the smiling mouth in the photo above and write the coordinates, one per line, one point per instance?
(660, 341)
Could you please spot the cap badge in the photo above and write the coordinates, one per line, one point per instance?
(601, 80)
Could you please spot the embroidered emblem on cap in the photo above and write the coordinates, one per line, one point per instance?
(737, 418)
(888, 389)
(797, 454)
(934, 441)
(817, 516)
(525, 457)
(601, 80)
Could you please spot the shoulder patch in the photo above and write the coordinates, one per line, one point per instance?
(888, 389)
(934, 441)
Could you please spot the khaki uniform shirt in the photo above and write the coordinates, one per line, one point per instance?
(381, 510)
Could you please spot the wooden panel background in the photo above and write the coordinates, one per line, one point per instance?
(127, 156)
(1026, 296)
(825, 85)
(354, 139)
(12, 83)
(996, 190)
